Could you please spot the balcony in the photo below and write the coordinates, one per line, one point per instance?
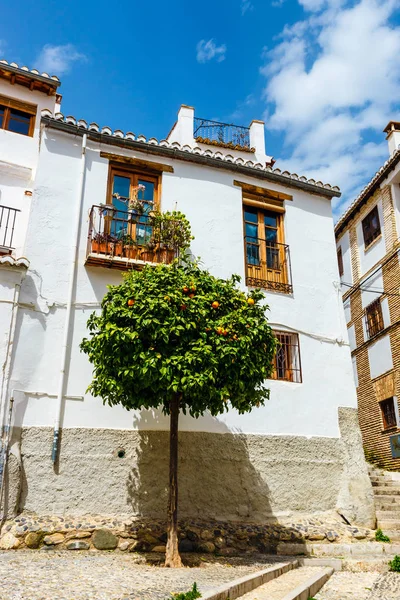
(7, 226)
(125, 240)
(268, 265)
(214, 133)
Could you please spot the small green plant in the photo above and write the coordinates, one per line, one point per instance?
(372, 457)
(394, 565)
(380, 536)
(191, 595)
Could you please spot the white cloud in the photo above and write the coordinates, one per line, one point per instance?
(208, 50)
(57, 60)
(332, 80)
(246, 5)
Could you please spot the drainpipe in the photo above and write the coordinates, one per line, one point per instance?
(74, 264)
(8, 359)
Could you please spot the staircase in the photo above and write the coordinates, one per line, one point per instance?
(386, 486)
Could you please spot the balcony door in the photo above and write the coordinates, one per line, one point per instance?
(264, 244)
(124, 187)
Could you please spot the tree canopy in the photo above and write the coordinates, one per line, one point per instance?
(177, 329)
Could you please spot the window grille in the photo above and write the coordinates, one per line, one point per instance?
(371, 226)
(388, 413)
(287, 364)
(374, 318)
(340, 261)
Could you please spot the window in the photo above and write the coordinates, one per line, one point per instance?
(124, 187)
(267, 257)
(374, 318)
(340, 261)
(287, 365)
(17, 116)
(388, 412)
(371, 227)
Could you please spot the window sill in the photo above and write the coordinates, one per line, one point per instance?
(392, 429)
(371, 244)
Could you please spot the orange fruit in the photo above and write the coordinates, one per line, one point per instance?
(224, 332)
(250, 301)
(183, 307)
(167, 298)
(191, 295)
(131, 302)
(185, 289)
(193, 288)
(215, 304)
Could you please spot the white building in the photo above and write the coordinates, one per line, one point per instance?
(301, 453)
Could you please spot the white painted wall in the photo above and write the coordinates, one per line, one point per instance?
(18, 159)
(214, 207)
(347, 310)
(380, 357)
(352, 337)
(344, 244)
(375, 251)
(375, 282)
(355, 372)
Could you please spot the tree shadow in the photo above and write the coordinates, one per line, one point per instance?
(220, 487)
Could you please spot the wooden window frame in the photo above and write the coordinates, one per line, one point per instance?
(369, 234)
(293, 371)
(263, 274)
(9, 104)
(389, 417)
(340, 261)
(134, 175)
(374, 318)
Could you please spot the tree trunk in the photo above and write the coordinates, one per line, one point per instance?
(172, 557)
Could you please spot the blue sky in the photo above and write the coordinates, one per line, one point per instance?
(323, 74)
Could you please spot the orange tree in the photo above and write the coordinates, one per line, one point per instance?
(176, 338)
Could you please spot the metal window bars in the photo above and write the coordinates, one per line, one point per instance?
(7, 227)
(115, 234)
(268, 265)
(374, 318)
(221, 134)
(287, 363)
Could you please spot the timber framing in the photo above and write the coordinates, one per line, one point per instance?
(182, 155)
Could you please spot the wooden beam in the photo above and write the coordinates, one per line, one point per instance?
(145, 165)
(256, 190)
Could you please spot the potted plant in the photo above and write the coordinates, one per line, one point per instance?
(172, 234)
(103, 243)
(128, 246)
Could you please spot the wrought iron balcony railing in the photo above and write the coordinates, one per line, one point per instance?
(7, 226)
(222, 134)
(124, 239)
(268, 265)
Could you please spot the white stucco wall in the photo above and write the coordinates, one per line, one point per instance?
(375, 282)
(377, 249)
(344, 244)
(380, 357)
(18, 160)
(214, 207)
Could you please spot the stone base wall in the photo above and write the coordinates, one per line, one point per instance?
(227, 477)
(210, 537)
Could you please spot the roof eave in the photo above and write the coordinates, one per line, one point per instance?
(369, 190)
(183, 155)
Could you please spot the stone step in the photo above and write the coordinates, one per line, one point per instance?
(353, 551)
(388, 500)
(387, 491)
(303, 582)
(386, 483)
(389, 524)
(384, 515)
(394, 536)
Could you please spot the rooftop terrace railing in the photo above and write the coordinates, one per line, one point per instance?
(221, 134)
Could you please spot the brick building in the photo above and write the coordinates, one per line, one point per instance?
(368, 246)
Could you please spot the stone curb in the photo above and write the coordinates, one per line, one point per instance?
(310, 587)
(241, 586)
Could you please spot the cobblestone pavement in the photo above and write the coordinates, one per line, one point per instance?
(344, 585)
(65, 575)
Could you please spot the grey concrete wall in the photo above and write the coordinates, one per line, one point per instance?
(222, 476)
